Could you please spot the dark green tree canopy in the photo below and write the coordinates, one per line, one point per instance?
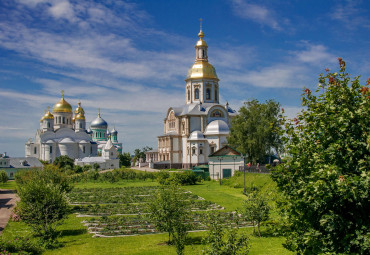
(255, 131)
(64, 162)
(124, 159)
(326, 177)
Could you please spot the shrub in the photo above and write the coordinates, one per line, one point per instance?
(43, 203)
(3, 176)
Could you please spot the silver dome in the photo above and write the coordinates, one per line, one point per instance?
(196, 135)
(99, 123)
(217, 127)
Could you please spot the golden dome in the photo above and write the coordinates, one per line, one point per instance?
(79, 109)
(80, 116)
(48, 116)
(202, 70)
(62, 106)
(201, 42)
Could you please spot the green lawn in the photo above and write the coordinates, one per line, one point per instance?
(8, 185)
(76, 240)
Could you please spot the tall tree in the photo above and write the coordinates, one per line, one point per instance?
(255, 130)
(124, 159)
(326, 178)
(169, 212)
(43, 203)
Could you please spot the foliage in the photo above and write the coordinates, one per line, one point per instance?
(169, 213)
(3, 176)
(96, 166)
(124, 159)
(141, 153)
(326, 178)
(255, 130)
(256, 209)
(178, 178)
(63, 161)
(43, 201)
(19, 245)
(113, 176)
(220, 241)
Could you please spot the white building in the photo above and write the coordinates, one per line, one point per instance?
(63, 134)
(201, 126)
(224, 162)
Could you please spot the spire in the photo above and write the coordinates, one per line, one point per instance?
(62, 91)
(99, 112)
(201, 34)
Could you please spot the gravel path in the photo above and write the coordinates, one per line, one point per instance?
(8, 200)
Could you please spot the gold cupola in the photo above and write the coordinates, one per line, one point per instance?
(201, 69)
(48, 115)
(79, 109)
(62, 105)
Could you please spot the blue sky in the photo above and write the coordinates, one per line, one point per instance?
(130, 58)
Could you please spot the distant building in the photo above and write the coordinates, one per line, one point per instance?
(201, 126)
(63, 133)
(12, 165)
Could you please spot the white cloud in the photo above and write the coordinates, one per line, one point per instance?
(351, 15)
(256, 13)
(63, 9)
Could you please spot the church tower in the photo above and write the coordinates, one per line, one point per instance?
(202, 80)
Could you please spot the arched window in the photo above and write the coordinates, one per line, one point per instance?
(51, 149)
(35, 150)
(217, 113)
(196, 94)
(83, 149)
(208, 94)
(48, 124)
(80, 125)
(188, 95)
(216, 95)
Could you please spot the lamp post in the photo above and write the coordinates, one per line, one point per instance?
(220, 170)
(244, 172)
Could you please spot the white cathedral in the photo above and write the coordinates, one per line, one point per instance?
(61, 134)
(201, 126)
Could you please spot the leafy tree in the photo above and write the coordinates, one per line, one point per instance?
(63, 162)
(326, 178)
(256, 209)
(141, 153)
(3, 176)
(220, 241)
(169, 213)
(43, 201)
(96, 166)
(255, 130)
(124, 159)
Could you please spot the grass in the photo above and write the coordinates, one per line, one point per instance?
(8, 185)
(76, 240)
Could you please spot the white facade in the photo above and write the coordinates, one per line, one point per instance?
(224, 162)
(201, 126)
(62, 134)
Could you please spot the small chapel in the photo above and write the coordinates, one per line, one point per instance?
(201, 126)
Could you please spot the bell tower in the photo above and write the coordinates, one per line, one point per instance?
(202, 80)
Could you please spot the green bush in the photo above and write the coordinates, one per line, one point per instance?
(43, 202)
(19, 245)
(3, 176)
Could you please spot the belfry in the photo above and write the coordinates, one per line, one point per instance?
(201, 126)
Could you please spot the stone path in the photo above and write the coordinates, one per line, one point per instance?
(8, 200)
